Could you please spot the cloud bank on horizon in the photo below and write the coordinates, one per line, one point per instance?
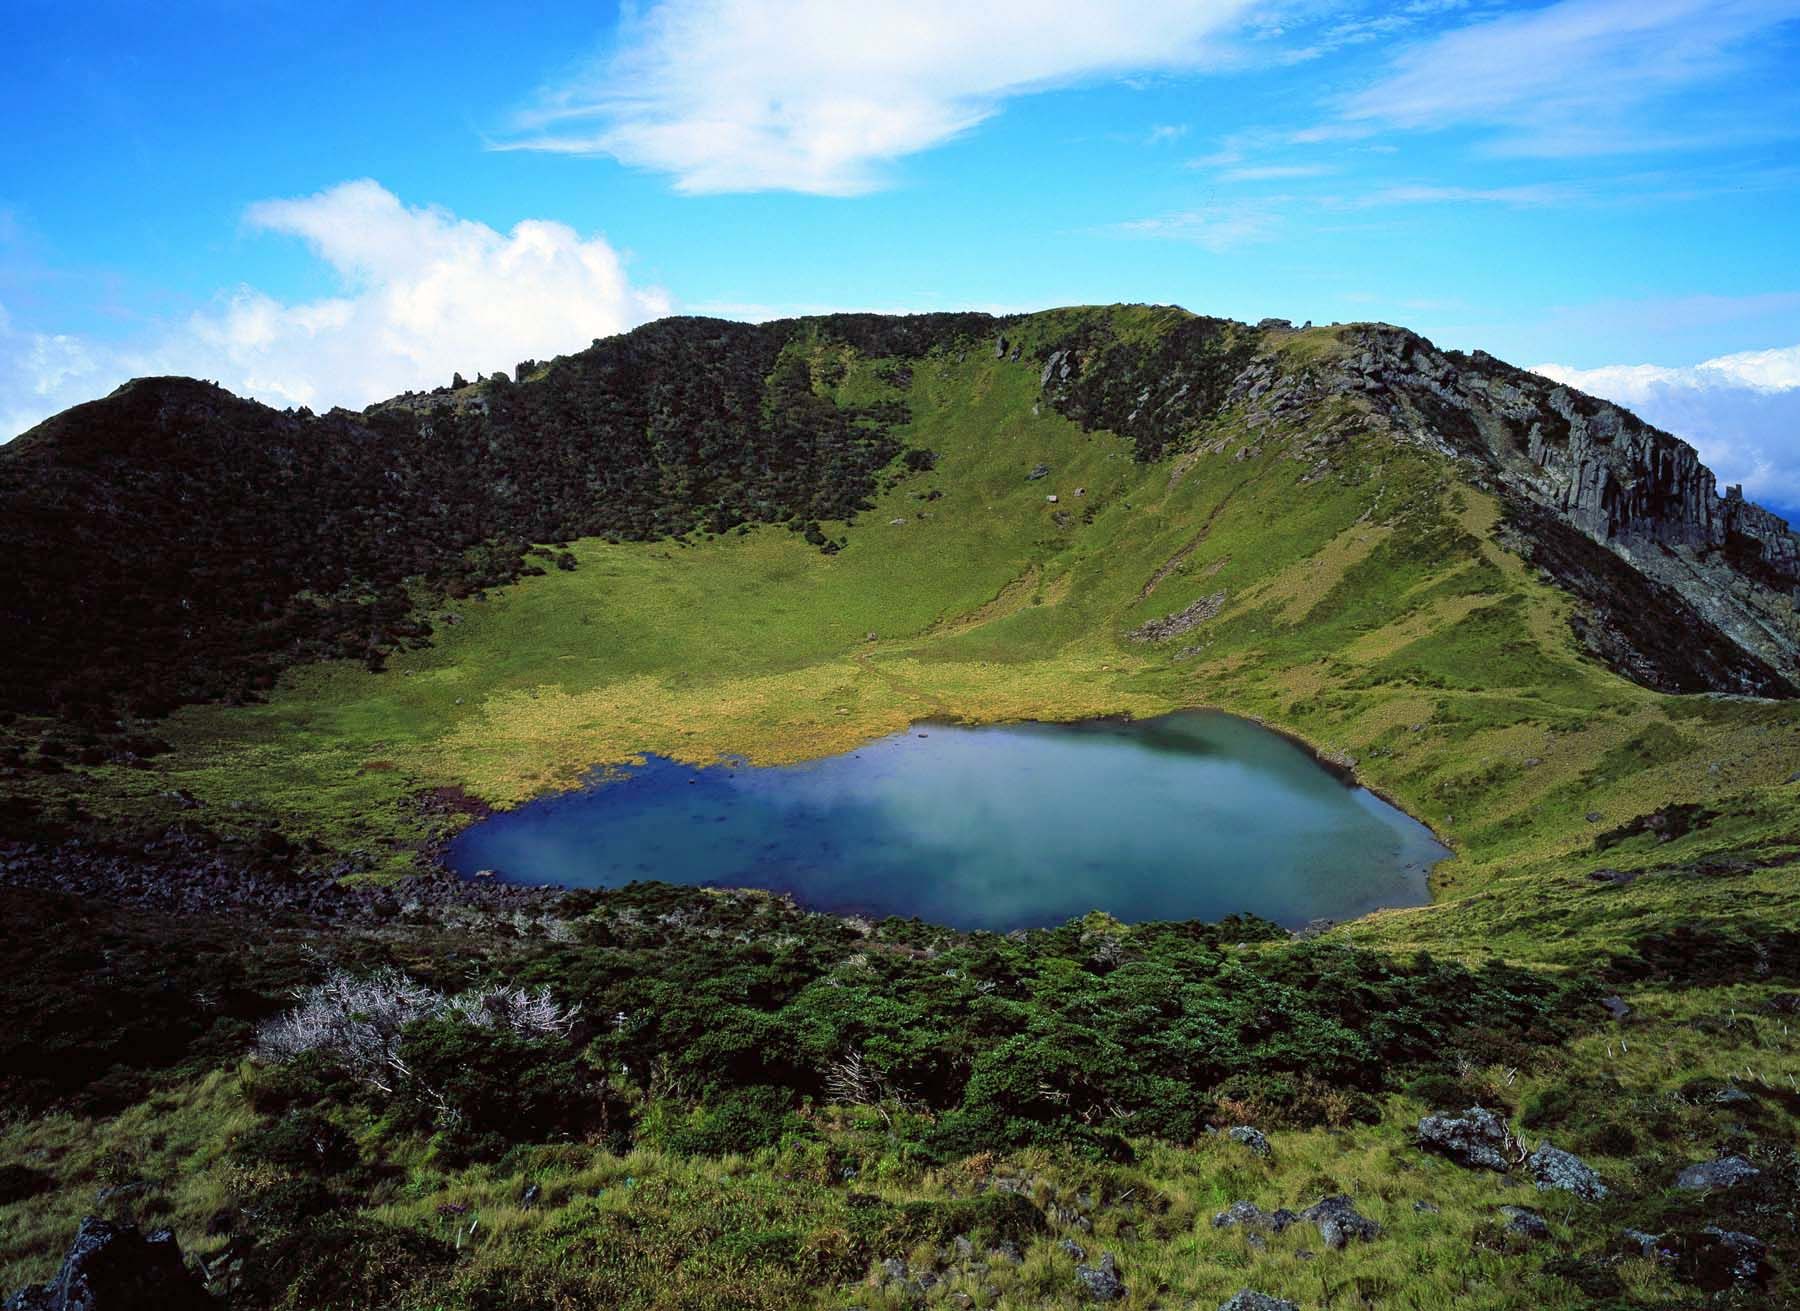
(1740, 411)
(1473, 163)
(424, 293)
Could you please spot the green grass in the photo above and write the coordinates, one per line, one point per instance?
(1368, 611)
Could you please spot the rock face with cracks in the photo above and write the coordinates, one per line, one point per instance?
(113, 1267)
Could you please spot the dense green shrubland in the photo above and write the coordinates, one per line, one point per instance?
(713, 1020)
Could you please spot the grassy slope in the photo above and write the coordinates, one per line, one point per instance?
(1367, 610)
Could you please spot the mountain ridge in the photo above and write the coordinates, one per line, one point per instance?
(703, 424)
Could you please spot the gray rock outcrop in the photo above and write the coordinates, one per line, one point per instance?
(1339, 1224)
(1478, 1139)
(113, 1267)
(1726, 1172)
(1101, 1281)
(1525, 1222)
(1249, 1299)
(1553, 1169)
(1254, 1139)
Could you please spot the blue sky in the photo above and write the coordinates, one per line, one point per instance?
(317, 206)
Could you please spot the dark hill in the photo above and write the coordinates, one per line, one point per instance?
(183, 544)
(172, 543)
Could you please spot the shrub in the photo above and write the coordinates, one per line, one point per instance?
(357, 1263)
(357, 1022)
(739, 1121)
(304, 1141)
(486, 1088)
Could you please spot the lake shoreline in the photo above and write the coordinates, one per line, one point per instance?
(1102, 810)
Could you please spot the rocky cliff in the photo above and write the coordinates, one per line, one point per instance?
(1693, 592)
(1638, 491)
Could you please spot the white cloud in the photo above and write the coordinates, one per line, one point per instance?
(1527, 196)
(424, 294)
(38, 371)
(820, 96)
(1740, 411)
(1216, 228)
(1275, 172)
(1576, 77)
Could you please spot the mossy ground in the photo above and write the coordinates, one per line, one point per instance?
(1367, 609)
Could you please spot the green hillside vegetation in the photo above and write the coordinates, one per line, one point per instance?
(710, 1150)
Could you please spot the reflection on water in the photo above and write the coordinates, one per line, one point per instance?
(1188, 816)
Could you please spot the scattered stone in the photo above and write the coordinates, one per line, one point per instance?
(1181, 621)
(1073, 1248)
(1249, 1299)
(1426, 1208)
(1593, 817)
(1726, 1172)
(1715, 1259)
(1251, 1218)
(1478, 1139)
(1059, 367)
(1037, 472)
(529, 1197)
(1732, 1095)
(1617, 1007)
(1638, 1243)
(1254, 1139)
(1556, 1170)
(1338, 1222)
(1527, 1223)
(1617, 877)
(1101, 1282)
(112, 1267)
(1052, 499)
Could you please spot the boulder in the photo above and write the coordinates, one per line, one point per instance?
(1251, 1218)
(1338, 1222)
(1726, 1172)
(114, 1267)
(1617, 1007)
(1250, 1300)
(1101, 1282)
(1478, 1139)
(1525, 1222)
(1555, 1170)
(1254, 1139)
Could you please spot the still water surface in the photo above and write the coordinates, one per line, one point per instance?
(1193, 815)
